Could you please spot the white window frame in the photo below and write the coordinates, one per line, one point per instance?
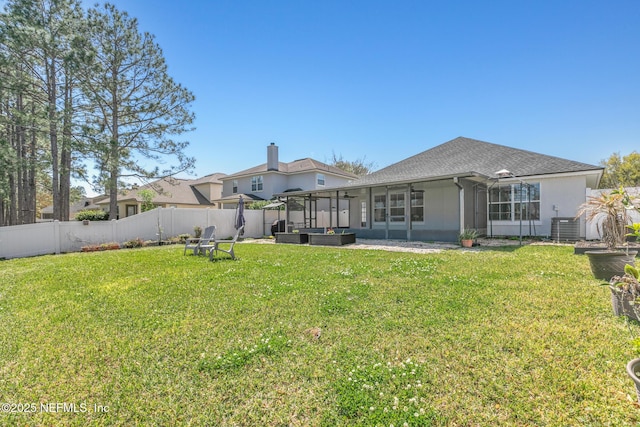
(320, 180)
(513, 197)
(234, 186)
(379, 206)
(417, 206)
(397, 207)
(363, 214)
(257, 183)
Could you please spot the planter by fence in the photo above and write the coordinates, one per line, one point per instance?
(331, 239)
(295, 238)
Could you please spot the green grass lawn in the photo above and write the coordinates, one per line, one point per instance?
(510, 337)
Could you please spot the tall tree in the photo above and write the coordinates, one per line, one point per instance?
(136, 105)
(621, 171)
(358, 167)
(42, 36)
(19, 109)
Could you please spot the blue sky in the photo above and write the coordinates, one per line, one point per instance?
(389, 79)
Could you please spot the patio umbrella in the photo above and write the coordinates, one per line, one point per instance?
(240, 213)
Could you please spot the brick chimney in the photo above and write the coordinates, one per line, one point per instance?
(272, 157)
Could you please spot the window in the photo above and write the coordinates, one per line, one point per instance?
(256, 183)
(320, 179)
(132, 209)
(363, 214)
(507, 201)
(379, 208)
(417, 206)
(396, 207)
(235, 186)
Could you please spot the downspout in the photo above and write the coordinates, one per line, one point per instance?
(286, 213)
(460, 202)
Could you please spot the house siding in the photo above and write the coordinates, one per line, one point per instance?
(275, 182)
(566, 193)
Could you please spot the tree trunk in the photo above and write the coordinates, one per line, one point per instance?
(53, 138)
(33, 163)
(114, 157)
(65, 154)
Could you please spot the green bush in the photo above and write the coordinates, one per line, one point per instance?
(134, 243)
(92, 215)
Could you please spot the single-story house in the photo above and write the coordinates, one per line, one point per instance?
(170, 192)
(86, 203)
(463, 183)
(264, 181)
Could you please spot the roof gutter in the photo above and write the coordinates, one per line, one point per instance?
(357, 186)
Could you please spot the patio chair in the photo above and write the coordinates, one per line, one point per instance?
(232, 242)
(201, 244)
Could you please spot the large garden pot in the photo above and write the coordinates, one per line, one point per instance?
(622, 304)
(606, 264)
(633, 369)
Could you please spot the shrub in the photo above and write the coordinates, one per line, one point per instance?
(134, 243)
(92, 215)
(109, 246)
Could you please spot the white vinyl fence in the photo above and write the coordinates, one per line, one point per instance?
(60, 237)
(592, 226)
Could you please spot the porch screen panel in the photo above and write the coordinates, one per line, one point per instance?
(417, 206)
(379, 208)
(396, 207)
(529, 196)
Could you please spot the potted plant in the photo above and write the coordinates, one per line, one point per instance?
(633, 370)
(625, 290)
(467, 236)
(611, 208)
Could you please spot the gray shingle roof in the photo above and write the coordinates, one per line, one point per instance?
(297, 166)
(169, 190)
(213, 178)
(464, 156)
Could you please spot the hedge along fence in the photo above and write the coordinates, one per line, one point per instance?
(59, 237)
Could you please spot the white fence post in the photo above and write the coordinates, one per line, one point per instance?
(114, 230)
(56, 236)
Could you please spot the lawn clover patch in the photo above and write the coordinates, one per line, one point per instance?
(381, 394)
(234, 359)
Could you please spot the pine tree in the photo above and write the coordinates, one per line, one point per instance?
(39, 36)
(136, 107)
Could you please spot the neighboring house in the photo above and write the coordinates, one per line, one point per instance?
(170, 192)
(46, 214)
(463, 183)
(268, 179)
